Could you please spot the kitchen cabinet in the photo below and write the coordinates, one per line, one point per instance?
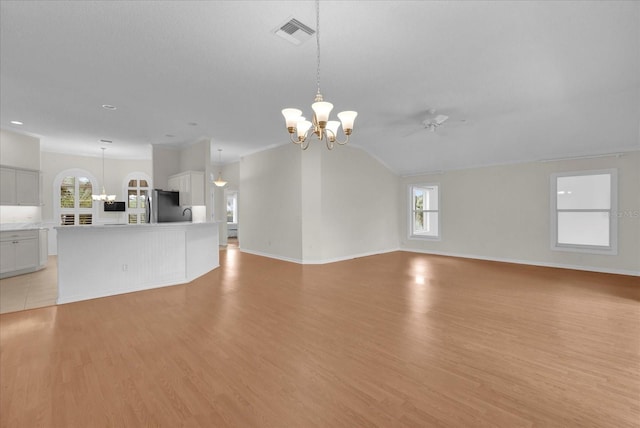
(190, 184)
(19, 186)
(22, 251)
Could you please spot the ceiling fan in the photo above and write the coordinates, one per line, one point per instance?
(431, 122)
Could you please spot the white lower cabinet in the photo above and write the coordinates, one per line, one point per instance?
(21, 251)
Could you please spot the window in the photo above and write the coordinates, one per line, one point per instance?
(137, 191)
(582, 204)
(72, 197)
(424, 211)
(232, 208)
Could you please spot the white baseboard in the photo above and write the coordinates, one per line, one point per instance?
(448, 254)
(526, 262)
(271, 256)
(321, 261)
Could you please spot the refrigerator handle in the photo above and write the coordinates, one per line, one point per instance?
(148, 208)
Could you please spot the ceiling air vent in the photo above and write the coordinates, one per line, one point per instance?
(294, 31)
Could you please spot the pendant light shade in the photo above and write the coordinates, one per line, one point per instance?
(220, 181)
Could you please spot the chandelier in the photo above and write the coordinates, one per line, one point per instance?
(320, 125)
(219, 181)
(103, 196)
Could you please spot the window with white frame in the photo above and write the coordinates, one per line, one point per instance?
(72, 197)
(137, 191)
(583, 211)
(424, 211)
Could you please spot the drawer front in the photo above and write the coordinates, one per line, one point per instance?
(16, 235)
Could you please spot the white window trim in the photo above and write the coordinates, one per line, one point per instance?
(57, 210)
(136, 175)
(409, 205)
(612, 250)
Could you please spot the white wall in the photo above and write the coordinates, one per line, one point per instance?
(359, 204)
(115, 171)
(270, 203)
(503, 213)
(317, 206)
(166, 162)
(195, 157)
(18, 150)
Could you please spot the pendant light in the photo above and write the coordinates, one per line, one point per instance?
(219, 181)
(320, 125)
(103, 196)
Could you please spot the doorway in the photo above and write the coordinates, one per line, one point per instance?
(231, 197)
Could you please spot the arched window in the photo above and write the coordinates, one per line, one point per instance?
(137, 188)
(72, 201)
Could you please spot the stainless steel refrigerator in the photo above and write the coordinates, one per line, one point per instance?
(164, 206)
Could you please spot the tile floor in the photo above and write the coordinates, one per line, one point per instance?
(31, 290)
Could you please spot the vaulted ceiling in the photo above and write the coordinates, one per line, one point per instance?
(518, 80)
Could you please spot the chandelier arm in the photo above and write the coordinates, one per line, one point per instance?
(329, 143)
(342, 143)
(304, 144)
(294, 141)
(335, 139)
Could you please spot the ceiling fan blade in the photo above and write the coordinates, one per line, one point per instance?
(440, 119)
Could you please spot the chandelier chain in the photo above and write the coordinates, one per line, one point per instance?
(318, 44)
(319, 125)
(103, 149)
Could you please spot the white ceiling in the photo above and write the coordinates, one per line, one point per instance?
(519, 80)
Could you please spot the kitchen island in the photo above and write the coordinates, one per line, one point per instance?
(104, 260)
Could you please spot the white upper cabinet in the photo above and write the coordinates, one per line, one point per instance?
(190, 184)
(19, 186)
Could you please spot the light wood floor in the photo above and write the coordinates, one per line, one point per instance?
(393, 340)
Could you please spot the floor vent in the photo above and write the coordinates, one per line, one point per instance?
(294, 31)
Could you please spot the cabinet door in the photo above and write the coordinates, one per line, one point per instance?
(28, 187)
(191, 187)
(197, 188)
(7, 186)
(43, 244)
(185, 190)
(7, 256)
(27, 253)
(174, 183)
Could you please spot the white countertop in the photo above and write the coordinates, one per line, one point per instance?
(128, 226)
(10, 227)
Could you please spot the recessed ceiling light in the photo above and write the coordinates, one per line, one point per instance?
(106, 141)
(109, 107)
(16, 122)
(193, 124)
